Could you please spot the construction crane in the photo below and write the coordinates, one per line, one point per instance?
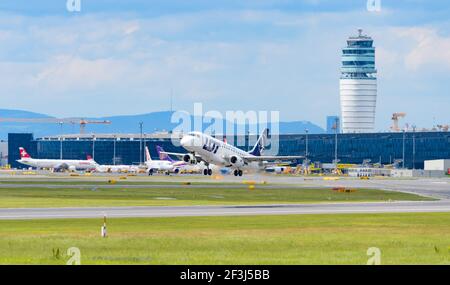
(81, 122)
(443, 127)
(395, 118)
(84, 122)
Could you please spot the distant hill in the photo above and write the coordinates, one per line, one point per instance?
(9, 127)
(156, 121)
(300, 127)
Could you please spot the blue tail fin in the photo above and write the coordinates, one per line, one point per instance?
(260, 143)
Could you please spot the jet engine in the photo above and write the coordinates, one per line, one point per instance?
(190, 158)
(63, 166)
(237, 161)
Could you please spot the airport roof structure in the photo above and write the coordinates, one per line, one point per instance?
(117, 136)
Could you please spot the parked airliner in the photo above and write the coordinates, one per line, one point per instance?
(166, 166)
(104, 168)
(65, 164)
(181, 166)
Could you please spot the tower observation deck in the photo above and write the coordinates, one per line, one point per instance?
(358, 85)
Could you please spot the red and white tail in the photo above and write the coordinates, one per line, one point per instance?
(88, 157)
(147, 154)
(23, 153)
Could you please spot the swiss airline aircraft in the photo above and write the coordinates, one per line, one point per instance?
(203, 147)
(69, 164)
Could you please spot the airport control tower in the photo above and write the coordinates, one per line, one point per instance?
(358, 85)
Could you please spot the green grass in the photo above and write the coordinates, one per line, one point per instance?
(419, 238)
(93, 196)
(118, 181)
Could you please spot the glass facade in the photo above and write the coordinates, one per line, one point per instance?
(378, 147)
(358, 58)
(352, 148)
(20, 140)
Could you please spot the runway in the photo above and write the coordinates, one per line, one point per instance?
(185, 211)
(438, 188)
(432, 187)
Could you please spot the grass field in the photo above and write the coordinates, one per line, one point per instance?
(420, 238)
(117, 181)
(95, 195)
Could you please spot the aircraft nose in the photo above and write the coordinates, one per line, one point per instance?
(185, 141)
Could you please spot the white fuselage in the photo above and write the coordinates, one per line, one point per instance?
(160, 165)
(116, 168)
(215, 151)
(59, 163)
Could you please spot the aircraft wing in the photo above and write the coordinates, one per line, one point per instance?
(251, 158)
(181, 155)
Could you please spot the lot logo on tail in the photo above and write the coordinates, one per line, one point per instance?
(260, 144)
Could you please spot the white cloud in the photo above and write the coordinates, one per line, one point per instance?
(429, 48)
(66, 72)
(131, 28)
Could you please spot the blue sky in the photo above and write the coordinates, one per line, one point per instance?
(124, 57)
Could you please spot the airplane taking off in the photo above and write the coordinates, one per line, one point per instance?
(66, 164)
(203, 147)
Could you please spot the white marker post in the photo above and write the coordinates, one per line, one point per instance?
(104, 232)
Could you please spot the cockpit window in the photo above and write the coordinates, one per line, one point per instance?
(194, 135)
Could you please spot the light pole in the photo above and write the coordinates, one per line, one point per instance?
(140, 144)
(306, 149)
(93, 147)
(335, 143)
(403, 149)
(114, 150)
(60, 141)
(414, 147)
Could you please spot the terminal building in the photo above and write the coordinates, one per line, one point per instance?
(353, 148)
